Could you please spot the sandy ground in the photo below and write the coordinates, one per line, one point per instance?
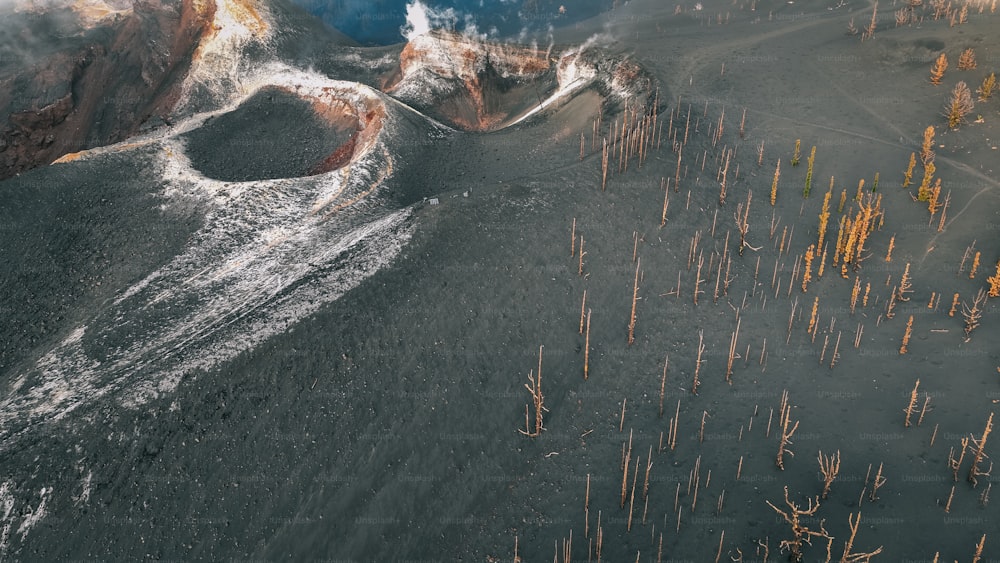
(385, 426)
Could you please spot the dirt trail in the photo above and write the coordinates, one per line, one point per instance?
(723, 46)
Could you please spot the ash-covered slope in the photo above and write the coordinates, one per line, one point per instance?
(277, 225)
(235, 245)
(137, 266)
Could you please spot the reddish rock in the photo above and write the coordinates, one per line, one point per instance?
(98, 81)
(475, 85)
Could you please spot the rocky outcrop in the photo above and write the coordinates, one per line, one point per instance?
(477, 85)
(104, 71)
(472, 84)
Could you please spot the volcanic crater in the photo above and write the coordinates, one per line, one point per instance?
(473, 85)
(279, 132)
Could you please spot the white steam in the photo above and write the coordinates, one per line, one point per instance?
(421, 18)
(596, 40)
(417, 22)
(552, 41)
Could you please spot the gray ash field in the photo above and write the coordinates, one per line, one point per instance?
(294, 318)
